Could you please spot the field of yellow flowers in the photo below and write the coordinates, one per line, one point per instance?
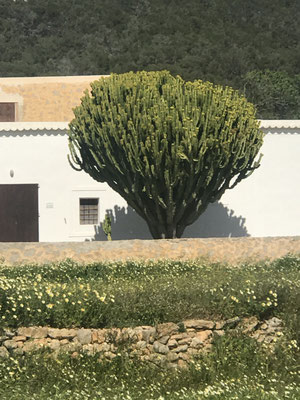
(119, 294)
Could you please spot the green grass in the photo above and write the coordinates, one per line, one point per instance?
(238, 368)
(135, 293)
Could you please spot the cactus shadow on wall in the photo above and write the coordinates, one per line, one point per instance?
(216, 221)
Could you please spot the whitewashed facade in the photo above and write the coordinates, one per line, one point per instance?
(265, 204)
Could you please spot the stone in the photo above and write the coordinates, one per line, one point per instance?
(148, 334)
(4, 352)
(160, 348)
(181, 348)
(167, 328)
(184, 356)
(34, 332)
(3, 338)
(219, 325)
(104, 347)
(274, 322)
(84, 336)
(199, 324)
(232, 322)
(109, 355)
(171, 357)
(172, 343)
(20, 338)
(141, 344)
(9, 333)
(249, 325)
(101, 334)
(185, 341)
(180, 336)
(182, 364)
(204, 335)
(54, 344)
(18, 351)
(196, 343)
(64, 342)
(219, 333)
(164, 339)
(25, 331)
(10, 344)
(94, 337)
(62, 333)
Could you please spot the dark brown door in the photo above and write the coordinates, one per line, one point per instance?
(19, 213)
(7, 112)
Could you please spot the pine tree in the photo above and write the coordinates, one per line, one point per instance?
(167, 146)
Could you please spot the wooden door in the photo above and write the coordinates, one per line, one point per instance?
(7, 112)
(19, 213)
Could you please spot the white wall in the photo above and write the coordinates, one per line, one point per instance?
(269, 199)
(42, 159)
(265, 204)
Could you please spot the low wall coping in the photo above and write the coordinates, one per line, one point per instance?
(231, 250)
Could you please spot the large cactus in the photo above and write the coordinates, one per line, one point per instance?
(167, 146)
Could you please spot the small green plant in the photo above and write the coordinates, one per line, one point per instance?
(106, 226)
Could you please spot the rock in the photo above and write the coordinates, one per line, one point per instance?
(274, 322)
(4, 352)
(232, 322)
(160, 348)
(172, 343)
(109, 355)
(219, 333)
(185, 341)
(180, 336)
(250, 325)
(204, 335)
(219, 325)
(19, 351)
(199, 324)
(166, 329)
(54, 344)
(10, 344)
(19, 338)
(141, 344)
(171, 357)
(196, 343)
(184, 356)
(3, 338)
(104, 347)
(148, 334)
(182, 364)
(64, 342)
(62, 333)
(33, 332)
(9, 333)
(164, 339)
(84, 336)
(181, 348)
(101, 335)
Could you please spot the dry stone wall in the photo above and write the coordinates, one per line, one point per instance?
(232, 250)
(167, 344)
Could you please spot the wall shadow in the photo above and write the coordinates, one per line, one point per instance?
(217, 221)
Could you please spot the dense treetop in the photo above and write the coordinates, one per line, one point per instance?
(229, 42)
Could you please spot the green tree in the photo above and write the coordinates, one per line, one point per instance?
(275, 93)
(167, 146)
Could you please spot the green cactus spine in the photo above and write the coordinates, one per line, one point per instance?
(106, 226)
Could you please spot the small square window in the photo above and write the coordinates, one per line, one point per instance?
(89, 211)
(7, 112)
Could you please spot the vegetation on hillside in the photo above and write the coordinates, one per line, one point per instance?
(221, 41)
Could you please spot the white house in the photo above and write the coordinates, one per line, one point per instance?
(43, 199)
